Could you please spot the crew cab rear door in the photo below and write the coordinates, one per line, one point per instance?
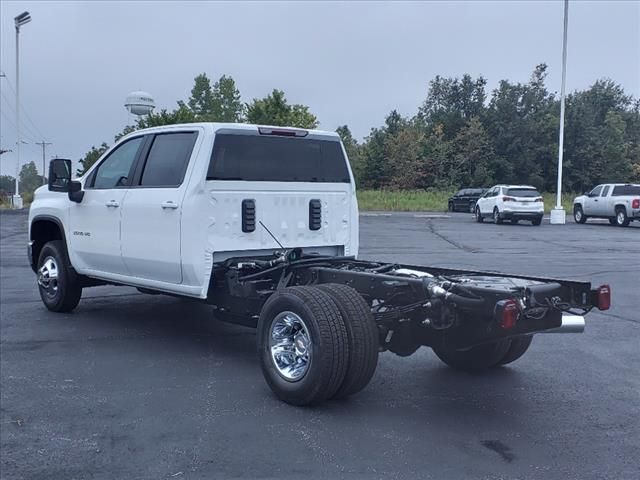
(151, 214)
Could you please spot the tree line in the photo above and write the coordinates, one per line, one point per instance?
(461, 135)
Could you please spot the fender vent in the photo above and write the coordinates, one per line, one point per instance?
(248, 215)
(315, 214)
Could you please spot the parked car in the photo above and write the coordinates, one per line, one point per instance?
(619, 202)
(465, 199)
(511, 202)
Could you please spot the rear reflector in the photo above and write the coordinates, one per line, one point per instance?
(507, 313)
(601, 297)
(635, 203)
(282, 132)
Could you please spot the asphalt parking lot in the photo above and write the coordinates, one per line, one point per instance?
(133, 386)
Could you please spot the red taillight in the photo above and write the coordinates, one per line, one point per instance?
(635, 203)
(509, 315)
(602, 297)
(508, 199)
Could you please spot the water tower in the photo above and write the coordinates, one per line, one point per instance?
(139, 103)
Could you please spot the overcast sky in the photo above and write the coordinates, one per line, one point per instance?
(350, 62)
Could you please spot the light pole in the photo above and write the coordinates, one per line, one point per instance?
(20, 20)
(558, 215)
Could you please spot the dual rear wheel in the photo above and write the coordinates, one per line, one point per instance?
(487, 355)
(316, 343)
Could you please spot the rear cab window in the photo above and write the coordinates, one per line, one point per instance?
(265, 158)
(624, 190)
(523, 192)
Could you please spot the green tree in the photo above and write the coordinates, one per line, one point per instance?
(29, 178)
(451, 102)
(353, 150)
(473, 156)
(226, 101)
(90, 158)
(7, 184)
(201, 101)
(274, 110)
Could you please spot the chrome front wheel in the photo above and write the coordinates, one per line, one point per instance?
(48, 276)
(290, 346)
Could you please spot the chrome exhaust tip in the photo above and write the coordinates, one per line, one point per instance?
(570, 324)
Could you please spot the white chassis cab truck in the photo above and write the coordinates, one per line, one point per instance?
(262, 224)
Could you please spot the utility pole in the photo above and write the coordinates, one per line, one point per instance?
(558, 215)
(43, 144)
(20, 20)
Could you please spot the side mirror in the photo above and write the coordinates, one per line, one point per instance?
(59, 175)
(76, 194)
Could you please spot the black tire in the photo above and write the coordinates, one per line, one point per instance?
(479, 218)
(497, 219)
(475, 359)
(578, 214)
(362, 334)
(451, 207)
(622, 219)
(472, 207)
(329, 345)
(536, 221)
(60, 293)
(518, 347)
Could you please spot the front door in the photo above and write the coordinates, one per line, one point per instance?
(95, 222)
(602, 206)
(151, 216)
(592, 201)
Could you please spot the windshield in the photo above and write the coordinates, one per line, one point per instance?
(523, 192)
(277, 159)
(621, 190)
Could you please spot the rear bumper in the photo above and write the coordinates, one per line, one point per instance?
(509, 215)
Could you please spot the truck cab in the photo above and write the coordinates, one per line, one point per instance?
(160, 207)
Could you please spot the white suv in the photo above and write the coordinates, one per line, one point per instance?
(511, 202)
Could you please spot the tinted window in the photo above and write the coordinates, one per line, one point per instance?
(523, 192)
(475, 191)
(277, 159)
(596, 191)
(115, 169)
(460, 193)
(167, 160)
(625, 190)
(605, 191)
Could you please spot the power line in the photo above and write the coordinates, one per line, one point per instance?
(23, 125)
(24, 110)
(8, 120)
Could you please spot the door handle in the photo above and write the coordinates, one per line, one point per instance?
(169, 204)
(112, 203)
